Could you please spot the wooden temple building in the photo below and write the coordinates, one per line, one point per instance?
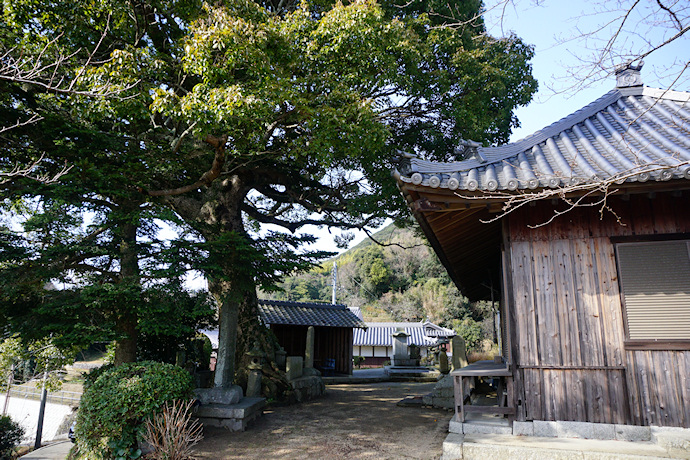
(582, 230)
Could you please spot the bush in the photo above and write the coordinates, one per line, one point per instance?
(11, 434)
(115, 405)
(173, 433)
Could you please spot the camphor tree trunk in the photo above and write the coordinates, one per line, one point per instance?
(217, 216)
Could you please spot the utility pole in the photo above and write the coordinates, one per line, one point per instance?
(7, 394)
(41, 412)
(335, 280)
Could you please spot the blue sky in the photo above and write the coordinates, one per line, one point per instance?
(550, 27)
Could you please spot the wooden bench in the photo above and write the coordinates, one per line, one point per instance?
(483, 369)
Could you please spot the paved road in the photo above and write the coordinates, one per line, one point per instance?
(57, 451)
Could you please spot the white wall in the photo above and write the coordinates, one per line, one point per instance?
(25, 412)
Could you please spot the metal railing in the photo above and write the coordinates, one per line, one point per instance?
(56, 397)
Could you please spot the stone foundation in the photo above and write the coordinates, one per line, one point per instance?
(486, 437)
(308, 387)
(442, 395)
(234, 417)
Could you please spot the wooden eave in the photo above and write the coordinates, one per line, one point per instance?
(460, 229)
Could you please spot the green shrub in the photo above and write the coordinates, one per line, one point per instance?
(11, 434)
(115, 405)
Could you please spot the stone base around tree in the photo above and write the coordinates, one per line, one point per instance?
(234, 417)
(307, 388)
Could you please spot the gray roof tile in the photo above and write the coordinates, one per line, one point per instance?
(308, 314)
(631, 134)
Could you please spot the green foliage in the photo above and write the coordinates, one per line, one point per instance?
(120, 450)
(115, 404)
(290, 113)
(30, 359)
(11, 434)
(358, 360)
(470, 330)
(394, 283)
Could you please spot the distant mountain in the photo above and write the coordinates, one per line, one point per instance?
(402, 280)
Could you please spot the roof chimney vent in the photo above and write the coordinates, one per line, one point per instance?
(628, 75)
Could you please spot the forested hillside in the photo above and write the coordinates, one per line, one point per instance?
(402, 281)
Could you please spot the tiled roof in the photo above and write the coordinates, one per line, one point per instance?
(357, 311)
(433, 330)
(308, 314)
(381, 334)
(631, 134)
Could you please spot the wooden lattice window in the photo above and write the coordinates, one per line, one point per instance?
(655, 287)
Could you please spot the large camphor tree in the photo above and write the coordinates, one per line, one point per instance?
(253, 113)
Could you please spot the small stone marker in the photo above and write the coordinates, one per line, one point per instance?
(280, 358)
(254, 380)
(443, 362)
(293, 367)
(459, 353)
(415, 353)
(254, 384)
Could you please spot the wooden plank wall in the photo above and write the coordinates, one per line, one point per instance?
(336, 343)
(567, 319)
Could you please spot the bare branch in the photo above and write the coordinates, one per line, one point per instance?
(30, 172)
(209, 176)
(574, 196)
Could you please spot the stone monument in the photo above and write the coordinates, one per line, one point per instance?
(309, 370)
(443, 393)
(401, 355)
(459, 351)
(405, 361)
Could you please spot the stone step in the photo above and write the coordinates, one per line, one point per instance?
(500, 446)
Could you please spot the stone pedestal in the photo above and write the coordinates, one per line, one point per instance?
(230, 395)
(442, 395)
(234, 417)
(225, 407)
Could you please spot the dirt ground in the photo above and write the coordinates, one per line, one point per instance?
(350, 421)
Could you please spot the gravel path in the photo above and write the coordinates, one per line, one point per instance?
(350, 421)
